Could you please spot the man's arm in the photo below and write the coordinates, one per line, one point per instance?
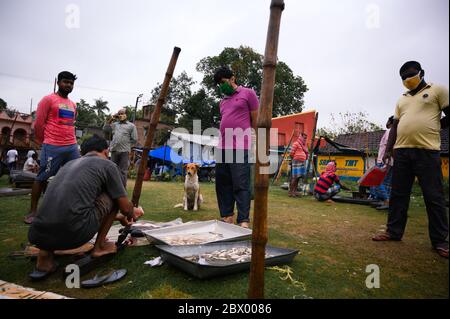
(107, 128)
(128, 210)
(41, 117)
(254, 119)
(134, 136)
(444, 120)
(343, 186)
(391, 142)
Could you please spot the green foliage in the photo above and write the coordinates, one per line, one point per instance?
(84, 138)
(100, 107)
(202, 107)
(247, 65)
(3, 105)
(349, 123)
(86, 116)
(179, 91)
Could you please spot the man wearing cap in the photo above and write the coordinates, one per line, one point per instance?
(415, 142)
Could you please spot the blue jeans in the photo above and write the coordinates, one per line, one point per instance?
(53, 157)
(382, 192)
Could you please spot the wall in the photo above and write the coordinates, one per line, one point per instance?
(348, 167)
(287, 124)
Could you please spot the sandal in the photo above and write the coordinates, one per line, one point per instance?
(99, 281)
(38, 275)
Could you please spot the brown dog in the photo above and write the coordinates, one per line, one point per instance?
(192, 196)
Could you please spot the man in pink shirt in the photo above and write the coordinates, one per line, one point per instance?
(383, 192)
(54, 129)
(239, 111)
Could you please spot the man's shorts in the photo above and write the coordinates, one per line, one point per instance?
(53, 157)
(104, 205)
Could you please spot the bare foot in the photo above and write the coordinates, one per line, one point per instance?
(106, 248)
(228, 219)
(244, 225)
(29, 218)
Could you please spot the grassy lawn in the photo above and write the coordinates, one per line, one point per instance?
(334, 242)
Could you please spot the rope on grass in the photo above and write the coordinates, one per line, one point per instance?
(288, 272)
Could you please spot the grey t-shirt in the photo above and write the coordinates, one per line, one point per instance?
(66, 218)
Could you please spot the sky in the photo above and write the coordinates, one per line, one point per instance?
(348, 51)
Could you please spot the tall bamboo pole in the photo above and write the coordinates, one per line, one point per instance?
(264, 123)
(153, 124)
(311, 155)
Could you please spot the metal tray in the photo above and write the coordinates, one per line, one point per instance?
(229, 232)
(173, 255)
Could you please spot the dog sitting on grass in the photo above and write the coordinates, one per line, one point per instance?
(192, 197)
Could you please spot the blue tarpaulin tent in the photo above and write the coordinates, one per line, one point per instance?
(167, 154)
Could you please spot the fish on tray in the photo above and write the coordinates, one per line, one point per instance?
(224, 257)
(191, 239)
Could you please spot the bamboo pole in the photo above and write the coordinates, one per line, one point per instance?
(153, 124)
(311, 155)
(264, 123)
(284, 158)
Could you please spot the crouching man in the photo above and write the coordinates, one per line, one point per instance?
(83, 199)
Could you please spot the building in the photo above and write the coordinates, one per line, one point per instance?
(16, 132)
(294, 124)
(361, 153)
(165, 125)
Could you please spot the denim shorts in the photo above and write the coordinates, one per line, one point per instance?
(53, 157)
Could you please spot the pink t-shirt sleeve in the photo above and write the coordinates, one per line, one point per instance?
(253, 102)
(41, 117)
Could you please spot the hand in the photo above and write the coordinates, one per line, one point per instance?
(138, 212)
(124, 221)
(387, 157)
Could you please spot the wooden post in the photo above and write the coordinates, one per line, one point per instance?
(284, 158)
(264, 123)
(311, 155)
(153, 124)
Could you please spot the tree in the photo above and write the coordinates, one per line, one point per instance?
(86, 115)
(247, 65)
(202, 107)
(179, 92)
(3, 105)
(99, 107)
(349, 123)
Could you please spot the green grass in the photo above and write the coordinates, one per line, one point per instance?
(334, 241)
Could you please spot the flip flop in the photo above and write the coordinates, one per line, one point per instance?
(99, 281)
(37, 275)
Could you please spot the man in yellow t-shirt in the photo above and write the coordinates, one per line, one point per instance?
(415, 142)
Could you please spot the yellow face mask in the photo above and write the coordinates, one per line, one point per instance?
(413, 82)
